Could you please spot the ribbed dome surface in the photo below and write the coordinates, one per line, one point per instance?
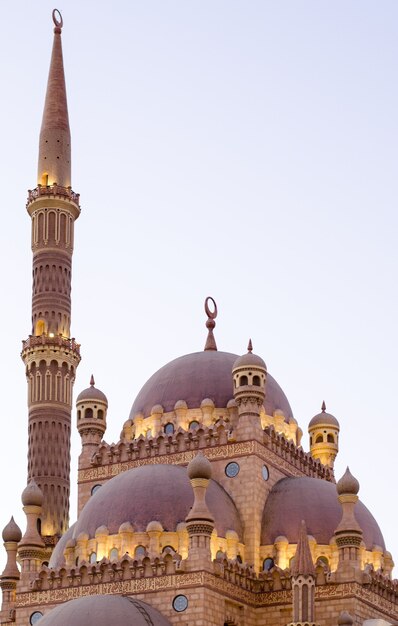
(102, 611)
(200, 375)
(314, 501)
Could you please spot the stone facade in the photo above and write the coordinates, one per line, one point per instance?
(201, 550)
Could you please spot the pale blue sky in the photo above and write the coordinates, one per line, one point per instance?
(244, 150)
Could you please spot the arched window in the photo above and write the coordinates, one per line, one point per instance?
(95, 488)
(139, 552)
(169, 428)
(268, 564)
(322, 560)
(330, 438)
(219, 554)
(193, 425)
(93, 557)
(167, 548)
(114, 554)
(319, 439)
(40, 327)
(256, 381)
(239, 558)
(88, 414)
(243, 381)
(100, 414)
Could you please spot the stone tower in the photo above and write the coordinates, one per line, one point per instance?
(50, 355)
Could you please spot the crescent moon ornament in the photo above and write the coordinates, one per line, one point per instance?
(211, 314)
(57, 18)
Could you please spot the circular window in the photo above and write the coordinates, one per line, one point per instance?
(180, 603)
(34, 618)
(265, 472)
(268, 564)
(232, 469)
(169, 428)
(95, 488)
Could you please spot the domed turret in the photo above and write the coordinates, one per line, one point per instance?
(32, 495)
(324, 431)
(347, 484)
(91, 406)
(249, 374)
(12, 532)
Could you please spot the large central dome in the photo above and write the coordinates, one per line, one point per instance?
(200, 375)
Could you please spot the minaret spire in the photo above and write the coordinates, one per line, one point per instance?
(54, 148)
(50, 355)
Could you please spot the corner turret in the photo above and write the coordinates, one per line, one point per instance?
(249, 374)
(324, 431)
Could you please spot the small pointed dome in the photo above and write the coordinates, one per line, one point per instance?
(347, 484)
(92, 393)
(12, 532)
(345, 619)
(249, 359)
(32, 494)
(199, 467)
(302, 562)
(324, 419)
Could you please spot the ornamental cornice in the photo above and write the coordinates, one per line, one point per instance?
(213, 453)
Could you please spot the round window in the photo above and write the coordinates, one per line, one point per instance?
(232, 469)
(34, 618)
(265, 472)
(180, 603)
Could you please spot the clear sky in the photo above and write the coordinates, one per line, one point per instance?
(241, 149)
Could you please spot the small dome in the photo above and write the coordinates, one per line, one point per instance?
(347, 484)
(157, 409)
(91, 393)
(324, 419)
(12, 532)
(180, 404)
(199, 467)
(249, 359)
(314, 500)
(32, 494)
(102, 611)
(154, 526)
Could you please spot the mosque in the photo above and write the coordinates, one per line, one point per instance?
(207, 512)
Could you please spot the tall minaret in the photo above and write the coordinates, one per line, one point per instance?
(50, 355)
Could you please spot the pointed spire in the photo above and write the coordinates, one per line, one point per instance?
(323, 407)
(210, 324)
(250, 346)
(54, 150)
(92, 381)
(302, 563)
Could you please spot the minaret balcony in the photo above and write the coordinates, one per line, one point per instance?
(52, 192)
(49, 343)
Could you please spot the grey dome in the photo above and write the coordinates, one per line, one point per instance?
(102, 611)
